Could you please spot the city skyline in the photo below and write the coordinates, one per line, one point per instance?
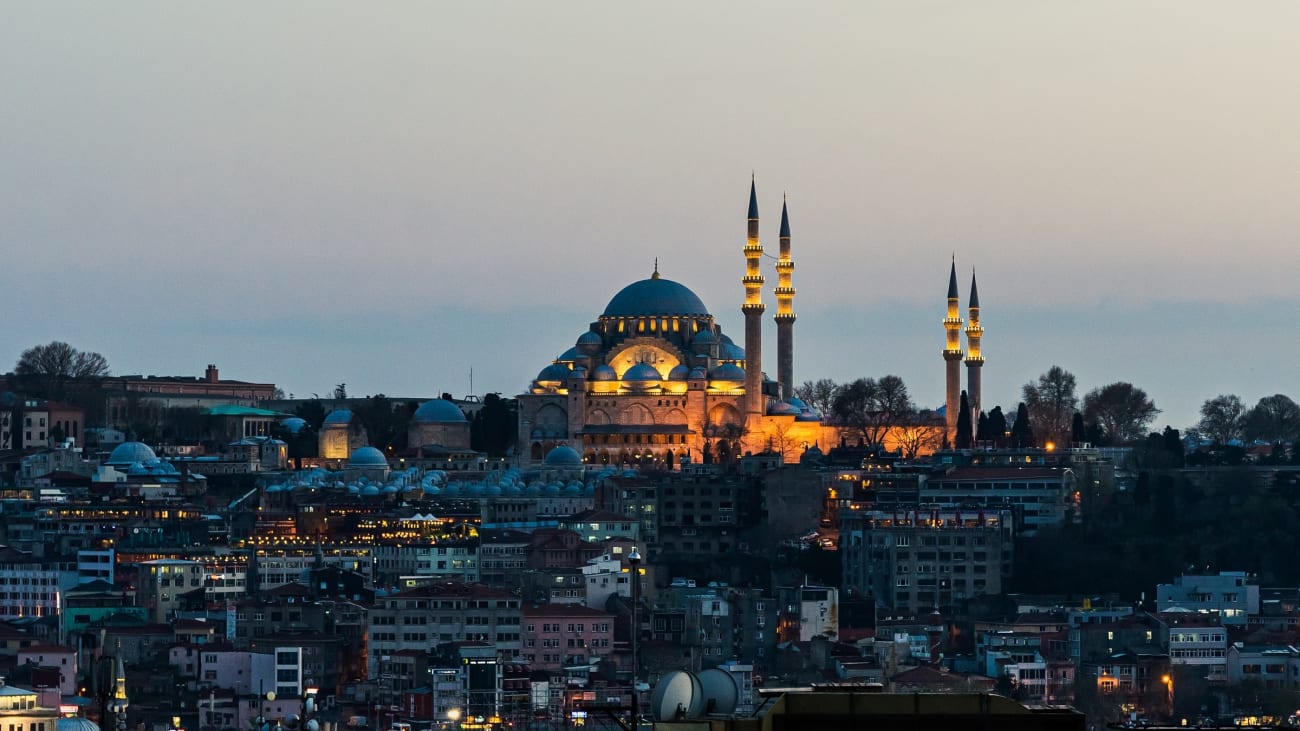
(388, 201)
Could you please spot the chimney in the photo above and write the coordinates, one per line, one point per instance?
(211, 374)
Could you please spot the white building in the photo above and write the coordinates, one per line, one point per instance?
(1232, 594)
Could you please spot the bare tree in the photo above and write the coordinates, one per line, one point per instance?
(872, 407)
(1222, 419)
(1051, 402)
(1274, 419)
(818, 395)
(1121, 409)
(46, 370)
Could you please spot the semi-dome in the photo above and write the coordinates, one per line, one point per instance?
(604, 372)
(642, 372)
(563, 456)
(554, 372)
(129, 453)
(339, 416)
(293, 424)
(438, 411)
(655, 297)
(367, 457)
(730, 351)
(728, 372)
(679, 372)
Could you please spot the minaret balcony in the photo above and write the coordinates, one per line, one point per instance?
(975, 360)
(752, 279)
(784, 291)
(953, 321)
(753, 247)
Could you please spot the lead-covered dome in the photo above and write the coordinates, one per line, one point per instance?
(563, 456)
(654, 297)
(339, 416)
(728, 372)
(367, 457)
(642, 372)
(129, 453)
(554, 372)
(438, 411)
(604, 373)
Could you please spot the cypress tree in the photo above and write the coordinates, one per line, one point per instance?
(964, 434)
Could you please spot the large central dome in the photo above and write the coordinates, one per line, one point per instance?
(655, 297)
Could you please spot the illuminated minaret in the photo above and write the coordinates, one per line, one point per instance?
(785, 312)
(974, 361)
(952, 351)
(753, 309)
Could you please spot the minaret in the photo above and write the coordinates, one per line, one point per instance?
(755, 402)
(974, 361)
(952, 352)
(785, 312)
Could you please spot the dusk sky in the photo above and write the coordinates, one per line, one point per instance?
(388, 195)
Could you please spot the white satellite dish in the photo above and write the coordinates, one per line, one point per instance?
(721, 692)
(678, 695)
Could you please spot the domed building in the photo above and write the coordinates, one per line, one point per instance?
(655, 379)
(340, 434)
(439, 422)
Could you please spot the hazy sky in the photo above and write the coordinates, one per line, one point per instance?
(389, 194)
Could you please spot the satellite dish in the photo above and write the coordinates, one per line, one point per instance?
(721, 693)
(678, 695)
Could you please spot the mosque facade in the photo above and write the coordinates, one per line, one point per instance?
(655, 381)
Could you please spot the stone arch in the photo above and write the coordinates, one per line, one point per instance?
(551, 421)
(674, 416)
(725, 415)
(536, 451)
(598, 416)
(638, 414)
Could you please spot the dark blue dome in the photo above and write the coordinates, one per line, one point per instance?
(654, 297)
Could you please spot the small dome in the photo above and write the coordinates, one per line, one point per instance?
(679, 372)
(808, 415)
(564, 456)
(338, 416)
(704, 337)
(493, 490)
(782, 408)
(367, 457)
(293, 424)
(797, 402)
(642, 372)
(554, 372)
(568, 356)
(552, 489)
(697, 373)
(391, 489)
(731, 351)
(437, 411)
(129, 453)
(370, 490)
(604, 372)
(588, 338)
(728, 372)
(533, 489)
(75, 723)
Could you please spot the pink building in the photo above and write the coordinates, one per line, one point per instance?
(53, 656)
(566, 635)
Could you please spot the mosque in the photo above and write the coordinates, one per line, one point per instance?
(655, 380)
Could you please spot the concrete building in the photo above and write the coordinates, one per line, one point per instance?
(423, 617)
(1233, 595)
(919, 560)
(558, 636)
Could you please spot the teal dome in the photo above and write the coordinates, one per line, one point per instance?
(655, 297)
(641, 372)
(564, 456)
(438, 410)
(728, 372)
(367, 457)
(129, 453)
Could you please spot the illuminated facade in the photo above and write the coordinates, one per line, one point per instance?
(654, 380)
(953, 354)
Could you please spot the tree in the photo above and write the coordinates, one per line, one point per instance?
(1022, 431)
(964, 436)
(998, 427)
(45, 371)
(1121, 409)
(1274, 419)
(1051, 402)
(819, 395)
(1078, 434)
(1222, 419)
(872, 407)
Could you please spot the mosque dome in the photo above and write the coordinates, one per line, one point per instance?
(367, 457)
(654, 297)
(568, 356)
(438, 411)
(797, 402)
(679, 372)
(370, 490)
(808, 415)
(642, 372)
(563, 456)
(554, 372)
(730, 351)
(604, 372)
(697, 372)
(129, 453)
(782, 408)
(588, 343)
(75, 723)
(338, 416)
(293, 424)
(552, 489)
(728, 372)
(704, 337)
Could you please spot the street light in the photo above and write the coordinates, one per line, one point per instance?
(453, 715)
(634, 560)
